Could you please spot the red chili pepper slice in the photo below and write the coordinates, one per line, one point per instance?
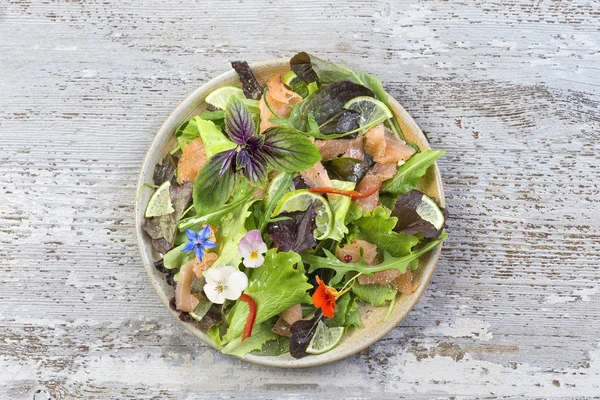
(350, 193)
(251, 317)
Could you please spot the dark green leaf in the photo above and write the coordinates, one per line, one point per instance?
(288, 151)
(348, 169)
(214, 183)
(411, 171)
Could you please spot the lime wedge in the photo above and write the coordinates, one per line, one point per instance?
(274, 186)
(372, 111)
(430, 212)
(219, 98)
(324, 339)
(300, 200)
(160, 202)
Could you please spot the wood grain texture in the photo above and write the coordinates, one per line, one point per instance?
(509, 88)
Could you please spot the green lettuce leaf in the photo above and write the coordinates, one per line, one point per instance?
(261, 334)
(214, 333)
(275, 286)
(174, 258)
(231, 231)
(274, 347)
(377, 228)
(346, 313)
(411, 171)
(376, 295)
(214, 140)
(340, 206)
(389, 262)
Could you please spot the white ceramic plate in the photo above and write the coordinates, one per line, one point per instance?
(374, 328)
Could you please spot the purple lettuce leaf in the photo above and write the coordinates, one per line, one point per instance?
(296, 233)
(409, 221)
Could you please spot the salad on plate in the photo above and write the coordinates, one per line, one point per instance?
(286, 205)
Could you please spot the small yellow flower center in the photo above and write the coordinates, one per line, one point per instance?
(253, 255)
(220, 288)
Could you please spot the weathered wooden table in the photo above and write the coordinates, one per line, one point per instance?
(509, 88)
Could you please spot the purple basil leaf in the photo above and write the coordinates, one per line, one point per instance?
(255, 170)
(215, 182)
(238, 121)
(409, 221)
(288, 151)
(252, 88)
(296, 233)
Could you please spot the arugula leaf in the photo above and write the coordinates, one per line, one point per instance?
(231, 231)
(376, 295)
(214, 140)
(389, 262)
(275, 286)
(214, 183)
(378, 228)
(261, 334)
(288, 151)
(340, 206)
(346, 313)
(411, 171)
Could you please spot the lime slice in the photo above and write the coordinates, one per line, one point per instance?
(274, 185)
(290, 78)
(430, 212)
(371, 110)
(300, 200)
(219, 98)
(324, 339)
(160, 202)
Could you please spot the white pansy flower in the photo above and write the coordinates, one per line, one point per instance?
(224, 282)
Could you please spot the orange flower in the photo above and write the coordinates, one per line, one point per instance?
(324, 298)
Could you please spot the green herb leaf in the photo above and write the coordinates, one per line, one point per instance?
(346, 313)
(275, 286)
(377, 228)
(389, 262)
(174, 258)
(411, 171)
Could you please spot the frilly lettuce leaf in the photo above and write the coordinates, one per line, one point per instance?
(377, 228)
(275, 286)
(340, 206)
(411, 171)
(261, 334)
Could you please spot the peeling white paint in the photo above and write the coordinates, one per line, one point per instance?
(463, 327)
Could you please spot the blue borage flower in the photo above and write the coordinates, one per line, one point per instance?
(199, 241)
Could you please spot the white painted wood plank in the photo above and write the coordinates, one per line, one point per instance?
(509, 88)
